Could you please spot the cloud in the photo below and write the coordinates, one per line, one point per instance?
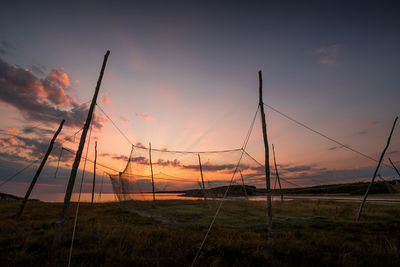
(38, 70)
(44, 100)
(140, 145)
(5, 46)
(173, 163)
(36, 130)
(120, 157)
(328, 55)
(105, 100)
(145, 116)
(123, 119)
(12, 130)
(337, 147)
(370, 123)
(363, 132)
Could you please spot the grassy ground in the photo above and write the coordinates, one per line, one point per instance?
(307, 233)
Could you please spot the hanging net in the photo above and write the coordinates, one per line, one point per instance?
(157, 174)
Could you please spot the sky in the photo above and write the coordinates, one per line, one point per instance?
(183, 76)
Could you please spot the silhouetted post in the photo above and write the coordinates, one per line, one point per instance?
(244, 187)
(151, 168)
(277, 174)
(202, 179)
(75, 166)
(39, 170)
(94, 170)
(398, 173)
(376, 170)
(267, 170)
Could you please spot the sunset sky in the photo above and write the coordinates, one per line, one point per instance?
(183, 76)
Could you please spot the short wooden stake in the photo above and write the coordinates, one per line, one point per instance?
(398, 173)
(277, 174)
(244, 186)
(267, 170)
(376, 171)
(39, 170)
(202, 179)
(94, 170)
(151, 168)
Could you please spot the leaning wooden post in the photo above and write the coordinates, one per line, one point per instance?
(202, 179)
(277, 174)
(94, 170)
(39, 170)
(376, 171)
(151, 168)
(75, 166)
(244, 187)
(267, 170)
(398, 173)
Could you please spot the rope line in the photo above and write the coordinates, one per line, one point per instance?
(226, 191)
(79, 199)
(323, 135)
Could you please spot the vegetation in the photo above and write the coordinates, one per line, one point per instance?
(358, 188)
(168, 233)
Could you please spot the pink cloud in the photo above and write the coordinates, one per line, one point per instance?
(145, 116)
(105, 100)
(328, 55)
(123, 119)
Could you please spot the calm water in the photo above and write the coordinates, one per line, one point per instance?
(110, 197)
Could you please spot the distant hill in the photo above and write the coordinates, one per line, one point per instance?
(358, 188)
(8, 197)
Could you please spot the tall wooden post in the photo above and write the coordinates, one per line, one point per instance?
(376, 171)
(267, 170)
(39, 170)
(75, 166)
(244, 187)
(277, 174)
(202, 179)
(398, 173)
(94, 170)
(151, 168)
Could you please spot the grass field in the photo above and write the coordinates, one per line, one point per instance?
(168, 233)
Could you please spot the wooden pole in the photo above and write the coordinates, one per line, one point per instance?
(277, 174)
(202, 179)
(398, 173)
(75, 166)
(151, 168)
(267, 170)
(39, 170)
(94, 170)
(376, 171)
(244, 187)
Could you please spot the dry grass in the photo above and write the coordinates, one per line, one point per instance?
(307, 233)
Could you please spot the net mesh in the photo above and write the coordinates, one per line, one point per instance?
(203, 175)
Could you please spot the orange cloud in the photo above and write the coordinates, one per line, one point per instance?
(105, 100)
(7, 141)
(12, 130)
(59, 76)
(145, 116)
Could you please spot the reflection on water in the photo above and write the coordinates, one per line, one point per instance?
(110, 197)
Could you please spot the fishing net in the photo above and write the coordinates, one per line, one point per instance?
(203, 175)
